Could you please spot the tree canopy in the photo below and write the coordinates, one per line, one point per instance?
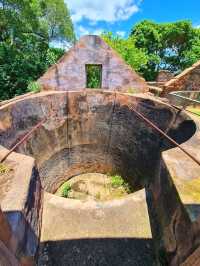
(170, 46)
(152, 46)
(133, 56)
(27, 28)
(26, 31)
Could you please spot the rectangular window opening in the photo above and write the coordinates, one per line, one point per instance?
(93, 76)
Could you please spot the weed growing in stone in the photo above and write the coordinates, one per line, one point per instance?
(65, 191)
(117, 181)
(4, 169)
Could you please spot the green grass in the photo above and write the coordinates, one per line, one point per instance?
(66, 188)
(4, 169)
(194, 110)
(117, 181)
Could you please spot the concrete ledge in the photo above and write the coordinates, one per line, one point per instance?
(185, 173)
(22, 205)
(78, 219)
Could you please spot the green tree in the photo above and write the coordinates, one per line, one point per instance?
(133, 56)
(192, 55)
(58, 21)
(25, 53)
(167, 45)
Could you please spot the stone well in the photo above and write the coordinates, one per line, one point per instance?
(97, 131)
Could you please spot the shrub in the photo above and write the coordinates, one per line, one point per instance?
(65, 191)
(117, 181)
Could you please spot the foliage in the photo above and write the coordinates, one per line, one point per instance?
(19, 65)
(93, 76)
(170, 46)
(58, 21)
(133, 56)
(34, 86)
(25, 36)
(117, 181)
(65, 190)
(192, 55)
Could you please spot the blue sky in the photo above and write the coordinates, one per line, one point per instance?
(118, 16)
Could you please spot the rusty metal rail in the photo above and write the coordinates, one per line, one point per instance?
(22, 140)
(141, 116)
(147, 121)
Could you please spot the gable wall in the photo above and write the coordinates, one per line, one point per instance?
(69, 73)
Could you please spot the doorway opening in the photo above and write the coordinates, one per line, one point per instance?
(93, 76)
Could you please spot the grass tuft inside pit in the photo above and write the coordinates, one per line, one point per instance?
(94, 186)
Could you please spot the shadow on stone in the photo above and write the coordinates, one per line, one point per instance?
(105, 251)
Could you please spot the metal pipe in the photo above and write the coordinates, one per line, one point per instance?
(133, 109)
(164, 134)
(22, 140)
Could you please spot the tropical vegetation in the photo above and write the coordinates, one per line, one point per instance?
(27, 29)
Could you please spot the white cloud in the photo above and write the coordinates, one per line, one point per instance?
(85, 31)
(102, 10)
(121, 33)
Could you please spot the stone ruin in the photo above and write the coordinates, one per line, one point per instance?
(166, 82)
(189, 79)
(97, 131)
(70, 71)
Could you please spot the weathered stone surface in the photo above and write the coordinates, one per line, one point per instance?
(6, 256)
(70, 73)
(189, 79)
(97, 131)
(164, 76)
(93, 130)
(5, 230)
(84, 225)
(22, 207)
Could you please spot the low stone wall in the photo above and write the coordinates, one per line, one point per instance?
(90, 231)
(88, 130)
(21, 202)
(164, 76)
(189, 79)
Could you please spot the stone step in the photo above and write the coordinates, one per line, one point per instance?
(77, 232)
